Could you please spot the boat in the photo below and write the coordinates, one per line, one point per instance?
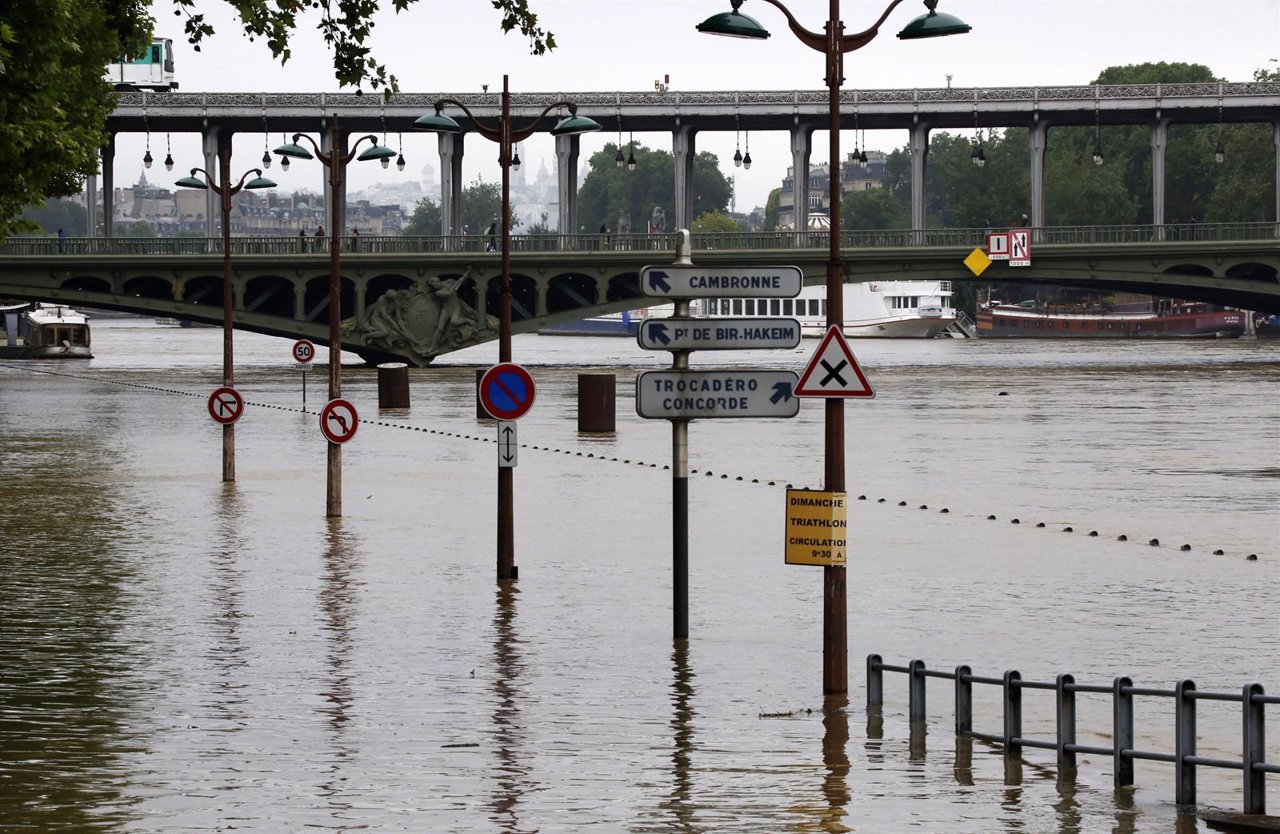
(1161, 319)
(872, 309)
(44, 331)
(1267, 326)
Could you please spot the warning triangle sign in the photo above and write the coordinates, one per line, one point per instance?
(833, 371)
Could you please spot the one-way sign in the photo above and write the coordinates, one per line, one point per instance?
(686, 395)
(667, 281)
(718, 333)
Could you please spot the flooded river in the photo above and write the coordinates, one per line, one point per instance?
(180, 655)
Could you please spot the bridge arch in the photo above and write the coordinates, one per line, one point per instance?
(87, 283)
(570, 291)
(271, 295)
(1253, 271)
(149, 286)
(315, 298)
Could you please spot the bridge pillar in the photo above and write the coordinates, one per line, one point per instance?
(1037, 142)
(108, 185)
(919, 153)
(450, 146)
(567, 182)
(1159, 142)
(209, 144)
(801, 147)
(683, 147)
(335, 202)
(1275, 138)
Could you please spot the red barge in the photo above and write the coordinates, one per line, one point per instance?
(1168, 319)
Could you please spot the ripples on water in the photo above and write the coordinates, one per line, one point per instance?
(181, 656)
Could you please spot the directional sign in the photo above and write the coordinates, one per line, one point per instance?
(667, 281)
(817, 527)
(225, 405)
(507, 444)
(1019, 247)
(718, 334)
(833, 371)
(998, 246)
(304, 351)
(506, 391)
(339, 421)
(686, 395)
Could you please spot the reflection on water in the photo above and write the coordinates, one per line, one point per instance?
(835, 759)
(680, 802)
(337, 605)
(511, 780)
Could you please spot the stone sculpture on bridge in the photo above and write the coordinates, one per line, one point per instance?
(422, 321)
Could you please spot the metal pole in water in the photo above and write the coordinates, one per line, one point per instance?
(680, 478)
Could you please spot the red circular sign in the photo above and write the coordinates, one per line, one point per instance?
(304, 351)
(339, 421)
(506, 391)
(225, 405)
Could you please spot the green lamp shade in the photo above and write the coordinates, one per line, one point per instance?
(259, 182)
(294, 150)
(733, 24)
(574, 125)
(191, 182)
(375, 152)
(934, 25)
(437, 123)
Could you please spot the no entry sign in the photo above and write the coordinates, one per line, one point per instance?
(225, 405)
(339, 421)
(506, 391)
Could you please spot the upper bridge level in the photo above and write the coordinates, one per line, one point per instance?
(414, 298)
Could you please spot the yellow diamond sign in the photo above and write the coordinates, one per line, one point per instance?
(977, 262)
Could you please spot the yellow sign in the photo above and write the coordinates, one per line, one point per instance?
(817, 527)
(977, 262)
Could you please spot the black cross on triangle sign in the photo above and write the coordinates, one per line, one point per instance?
(833, 371)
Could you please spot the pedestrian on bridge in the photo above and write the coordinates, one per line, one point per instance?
(319, 238)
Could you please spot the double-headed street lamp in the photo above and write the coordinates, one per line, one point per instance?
(226, 191)
(834, 44)
(506, 136)
(336, 162)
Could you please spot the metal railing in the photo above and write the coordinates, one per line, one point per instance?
(1252, 698)
(611, 242)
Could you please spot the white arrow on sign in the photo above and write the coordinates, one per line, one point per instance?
(668, 281)
(718, 334)
(687, 395)
(507, 444)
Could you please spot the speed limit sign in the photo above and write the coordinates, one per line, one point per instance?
(304, 351)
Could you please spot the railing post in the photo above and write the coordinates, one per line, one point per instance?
(1255, 751)
(1184, 772)
(1122, 730)
(1066, 721)
(1012, 712)
(915, 691)
(875, 681)
(964, 701)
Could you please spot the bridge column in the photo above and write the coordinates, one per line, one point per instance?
(1037, 142)
(108, 184)
(567, 180)
(801, 148)
(1159, 142)
(683, 147)
(450, 146)
(209, 144)
(300, 300)
(919, 154)
(335, 204)
(1275, 138)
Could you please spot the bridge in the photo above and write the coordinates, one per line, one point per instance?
(685, 114)
(415, 298)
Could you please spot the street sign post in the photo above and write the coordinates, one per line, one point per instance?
(681, 394)
(833, 371)
(718, 334)
(225, 405)
(339, 421)
(680, 281)
(506, 391)
(507, 444)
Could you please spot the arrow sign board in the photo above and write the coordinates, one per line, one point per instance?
(507, 444)
(506, 391)
(304, 351)
(833, 371)
(667, 281)
(225, 405)
(688, 395)
(718, 334)
(339, 421)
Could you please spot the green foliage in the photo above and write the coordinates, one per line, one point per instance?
(138, 228)
(345, 26)
(53, 101)
(609, 192)
(57, 214)
(425, 220)
(874, 208)
(716, 222)
(482, 206)
(771, 210)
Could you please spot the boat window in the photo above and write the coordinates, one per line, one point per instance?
(786, 307)
(724, 307)
(824, 306)
(750, 306)
(773, 307)
(737, 306)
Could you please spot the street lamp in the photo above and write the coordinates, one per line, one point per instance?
(336, 162)
(226, 191)
(506, 136)
(834, 44)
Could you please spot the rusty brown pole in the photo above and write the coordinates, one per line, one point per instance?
(228, 327)
(507, 569)
(335, 163)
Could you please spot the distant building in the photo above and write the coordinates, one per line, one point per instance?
(855, 176)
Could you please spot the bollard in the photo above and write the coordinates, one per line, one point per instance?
(1122, 730)
(393, 385)
(1184, 746)
(916, 691)
(596, 408)
(964, 700)
(1066, 692)
(1255, 750)
(481, 414)
(875, 681)
(1012, 713)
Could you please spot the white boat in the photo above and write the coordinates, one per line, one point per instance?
(45, 331)
(872, 309)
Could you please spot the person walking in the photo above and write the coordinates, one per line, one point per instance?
(492, 245)
(319, 238)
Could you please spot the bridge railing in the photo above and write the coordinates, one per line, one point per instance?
(816, 239)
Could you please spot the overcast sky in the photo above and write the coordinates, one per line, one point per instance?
(458, 45)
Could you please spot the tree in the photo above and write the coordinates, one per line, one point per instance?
(715, 223)
(609, 192)
(874, 208)
(425, 220)
(771, 210)
(482, 206)
(57, 214)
